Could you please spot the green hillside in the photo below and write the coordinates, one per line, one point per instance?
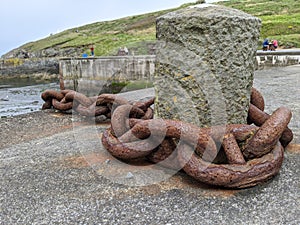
(137, 33)
(280, 20)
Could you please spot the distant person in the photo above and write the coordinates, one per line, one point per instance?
(265, 44)
(275, 44)
(121, 52)
(92, 51)
(126, 50)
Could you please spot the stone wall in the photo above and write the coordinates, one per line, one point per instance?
(91, 75)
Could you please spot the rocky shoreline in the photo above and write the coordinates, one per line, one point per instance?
(41, 68)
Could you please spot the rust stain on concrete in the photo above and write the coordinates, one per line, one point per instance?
(180, 181)
(87, 160)
(153, 189)
(185, 183)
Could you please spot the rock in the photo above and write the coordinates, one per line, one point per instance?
(50, 52)
(22, 67)
(205, 64)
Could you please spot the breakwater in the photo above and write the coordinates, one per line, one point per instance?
(89, 75)
(266, 59)
(122, 67)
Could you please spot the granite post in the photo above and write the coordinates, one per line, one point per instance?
(205, 64)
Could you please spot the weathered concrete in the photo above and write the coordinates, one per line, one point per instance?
(280, 52)
(266, 59)
(203, 74)
(49, 176)
(71, 68)
(91, 74)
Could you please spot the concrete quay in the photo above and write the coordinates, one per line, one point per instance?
(88, 75)
(52, 173)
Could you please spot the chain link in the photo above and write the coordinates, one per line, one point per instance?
(248, 154)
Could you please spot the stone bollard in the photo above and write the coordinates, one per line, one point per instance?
(205, 64)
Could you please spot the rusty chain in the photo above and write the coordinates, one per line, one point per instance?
(101, 105)
(249, 154)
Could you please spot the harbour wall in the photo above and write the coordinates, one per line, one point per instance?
(94, 73)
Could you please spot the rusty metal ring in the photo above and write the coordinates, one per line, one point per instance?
(112, 99)
(259, 117)
(80, 98)
(62, 106)
(250, 174)
(92, 110)
(257, 99)
(268, 134)
(131, 150)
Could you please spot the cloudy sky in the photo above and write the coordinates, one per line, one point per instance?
(23, 21)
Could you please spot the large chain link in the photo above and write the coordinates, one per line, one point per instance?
(101, 105)
(251, 153)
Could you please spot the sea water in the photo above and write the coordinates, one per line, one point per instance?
(21, 96)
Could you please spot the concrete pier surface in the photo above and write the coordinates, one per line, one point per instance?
(49, 174)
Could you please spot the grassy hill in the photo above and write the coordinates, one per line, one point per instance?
(280, 20)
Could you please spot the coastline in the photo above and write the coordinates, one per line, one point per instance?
(20, 96)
